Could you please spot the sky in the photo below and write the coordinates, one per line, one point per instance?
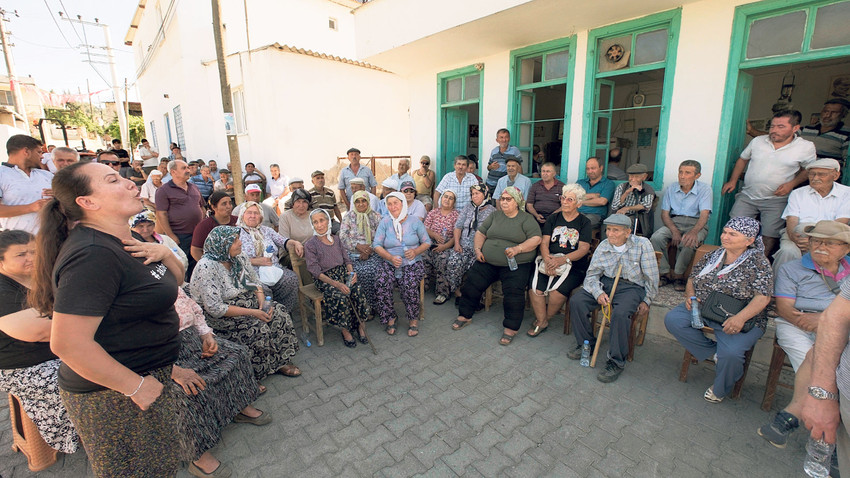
(56, 62)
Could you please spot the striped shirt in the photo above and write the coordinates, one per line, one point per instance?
(639, 266)
(832, 144)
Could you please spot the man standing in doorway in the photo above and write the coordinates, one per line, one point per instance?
(497, 165)
(829, 135)
(149, 155)
(458, 181)
(179, 208)
(777, 163)
(355, 170)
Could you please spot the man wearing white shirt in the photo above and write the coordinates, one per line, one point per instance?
(149, 156)
(148, 190)
(513, 164)
(402, 176)
(277, 186)
(775, 165)
(822, 200)
(25, 188)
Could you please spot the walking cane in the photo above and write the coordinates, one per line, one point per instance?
(606, 316)
(360, 321)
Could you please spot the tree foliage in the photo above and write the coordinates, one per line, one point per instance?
(137, 130)
(74, 114)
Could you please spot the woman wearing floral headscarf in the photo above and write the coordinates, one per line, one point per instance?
(262, 244)
(462, 255)
(356, 231)
(738, 269)
(440, 223)
(508, 233)
(400, 240)
(225, 285)
(343, 300)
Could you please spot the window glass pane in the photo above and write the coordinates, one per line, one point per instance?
(777, 35)
(650, 47)
(470, 88)
(831, 26)
(556, 65)
(602, 124)
(614, 53)
(453, 90)
(531, 70)
(526, 107)
(525, 134)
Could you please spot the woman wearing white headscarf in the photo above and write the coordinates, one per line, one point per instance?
(356, 232)
(261, 244)
(343, 300)
(400, 241)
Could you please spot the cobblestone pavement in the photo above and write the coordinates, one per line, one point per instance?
(452, 403)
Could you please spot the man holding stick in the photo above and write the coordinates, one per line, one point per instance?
(634, 258)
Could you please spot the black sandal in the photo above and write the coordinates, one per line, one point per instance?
(349, 343)
(362, 337)
(506, 339)
(391, 328)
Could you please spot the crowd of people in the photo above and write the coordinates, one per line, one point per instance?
(138, 302)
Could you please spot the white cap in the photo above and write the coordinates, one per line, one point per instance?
(253, 187)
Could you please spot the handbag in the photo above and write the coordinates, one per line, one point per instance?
(563, 271)
(269, 275)
(718, 307)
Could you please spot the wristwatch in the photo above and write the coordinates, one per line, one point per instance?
(822, 394)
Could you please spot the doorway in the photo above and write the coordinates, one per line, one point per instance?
(460, 113)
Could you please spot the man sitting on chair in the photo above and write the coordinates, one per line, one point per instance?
(804, 288)
(634, 258)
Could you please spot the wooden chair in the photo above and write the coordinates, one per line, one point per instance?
(489, 295)
(690, 359)
(308, 291)
(27, 439)
(777, 363)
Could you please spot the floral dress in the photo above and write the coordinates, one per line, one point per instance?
(458, 263)
(351, 236)
(285, 290)
(436, 262)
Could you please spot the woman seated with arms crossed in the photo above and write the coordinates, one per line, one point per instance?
(225, 285)
(440, 224)
(567, 234)
(221, 205)
(28, 369)
(400, 241)
(143, 225)
(261, 245)
(114, 324)
(218, 386)
(508, 233)
(343, 300)
(738, 269)
(462, 255)
(356, 233)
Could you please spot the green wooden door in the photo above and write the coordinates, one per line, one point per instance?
(604, 98)
(455, 136)
(525, 140)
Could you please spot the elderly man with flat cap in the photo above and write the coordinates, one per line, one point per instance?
(634, 199)
(804, 288)
(636, 288)
(324, 198)
(354, 170)
(824, 199)
(514, 178)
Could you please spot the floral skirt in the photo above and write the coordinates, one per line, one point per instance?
(457, 264)
(436, 264)
(231, 386)
(408, 286)
(272, 344)
(367, 272)
(38, 392)
(338, 308)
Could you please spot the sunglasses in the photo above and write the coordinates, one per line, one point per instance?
(110, 163)
(505, 198)
(426, 163)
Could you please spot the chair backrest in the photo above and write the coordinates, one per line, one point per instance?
(699, 254)
(299, 265)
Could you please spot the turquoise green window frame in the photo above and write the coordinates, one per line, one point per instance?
(442, 79)
(514, 88)
(743, 18)
(670, 19)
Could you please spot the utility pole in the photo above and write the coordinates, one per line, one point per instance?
(132, 148)
(227, 102)
(14, 85)
(116, 88)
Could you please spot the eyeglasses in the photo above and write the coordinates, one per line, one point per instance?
(505, 198)
(110, 163)
(817, 242)
(568, 199)
(426, 163)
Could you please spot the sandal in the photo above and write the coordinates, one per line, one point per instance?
(440, 300)
(663, 280)
(263, 419)
(362, 337)
(263, 389)
(390, 329)
(709, 396)
(537, 330)
(349, 343)
(289, 370)
(459, 324)
(414, 329)
(679, 285)
(506, 339)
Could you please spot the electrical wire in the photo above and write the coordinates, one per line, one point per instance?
(57, 24)
(18, 38)
(72, 23)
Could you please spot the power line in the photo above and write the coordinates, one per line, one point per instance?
(42, 46)
(62, 4)
(57, 24)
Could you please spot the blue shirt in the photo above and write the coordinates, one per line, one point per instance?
(497, 156)
(205, 187)
(679, 203)
(800, 280)
(605, 188)
(413, 234)
(520, 182)
(346, 175)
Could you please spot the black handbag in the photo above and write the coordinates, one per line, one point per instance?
(718, 307)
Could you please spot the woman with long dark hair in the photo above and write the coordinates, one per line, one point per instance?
(114, 324)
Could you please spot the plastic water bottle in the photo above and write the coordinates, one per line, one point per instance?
(512, 265)
(585, 354)
(350, 278)
(267, 304)
(398, 269)
(819, 458)
(305, 340)
(269, 251)
(696, 318)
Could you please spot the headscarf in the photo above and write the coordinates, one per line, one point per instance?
(447, 191)
(255, 232)
(401, 215)
(746, 226)
(482, 188)
(363, 217)
(327, 233)
(217, 248)
(301, 194)
(144, 216)
(517, 195)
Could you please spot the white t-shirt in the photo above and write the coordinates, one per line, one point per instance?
(769, 168)
(148, 191)
(275, 187)
(18, 188)
(154, 161)
(807, 204)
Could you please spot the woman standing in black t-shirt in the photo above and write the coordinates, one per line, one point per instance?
(114, 324)
(567, 233)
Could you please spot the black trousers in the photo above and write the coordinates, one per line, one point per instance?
(481, 275)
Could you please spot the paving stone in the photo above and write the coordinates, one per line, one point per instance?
(408, 466)
(528, 466)
(347, 415)
(515, 445)
(486, 439)
(429, 429)
(507, 423)
(493, 465)
(432, 451)
(399, 424)
(375, 439)
(376, 461)
(314, 450)
(479, 419)
(440, 470)
(463, 457)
